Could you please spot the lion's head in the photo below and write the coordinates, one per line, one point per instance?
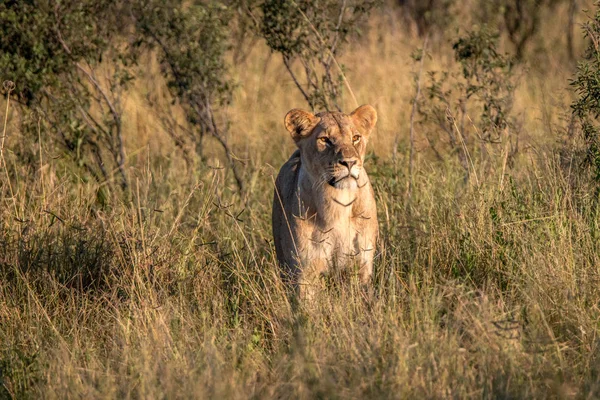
(332, 144)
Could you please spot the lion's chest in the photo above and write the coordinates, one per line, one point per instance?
(335, 234)
(339, 245)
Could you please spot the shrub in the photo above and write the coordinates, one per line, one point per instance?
(481, 93)
(192, 41)
(51, 50)
(586, 84)
(313, 34)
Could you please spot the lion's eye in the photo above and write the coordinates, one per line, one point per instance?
(324, 139)
(355, 139)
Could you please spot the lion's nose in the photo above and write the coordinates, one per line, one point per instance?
(348, 163)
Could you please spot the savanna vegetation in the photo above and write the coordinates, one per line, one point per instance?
(139, 145)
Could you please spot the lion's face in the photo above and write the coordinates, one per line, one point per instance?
(332, 144)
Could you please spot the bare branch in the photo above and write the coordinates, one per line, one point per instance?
(298, 85)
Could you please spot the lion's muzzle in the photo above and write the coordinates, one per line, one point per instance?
(345, 177)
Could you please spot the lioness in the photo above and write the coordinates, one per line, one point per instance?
(324, 211)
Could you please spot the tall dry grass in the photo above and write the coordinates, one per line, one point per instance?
(487, 289)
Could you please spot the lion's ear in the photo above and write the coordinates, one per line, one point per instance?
(299, 123)
(365, 118)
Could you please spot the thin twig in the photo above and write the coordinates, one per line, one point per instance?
(337, 34)
(412, 124)
(330, 53)
(286, 62)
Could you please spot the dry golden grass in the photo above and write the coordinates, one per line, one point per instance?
(481, 290)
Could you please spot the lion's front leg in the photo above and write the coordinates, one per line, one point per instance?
(309, 282)
(365, 250)
(366, 270)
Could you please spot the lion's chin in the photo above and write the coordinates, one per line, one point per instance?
(345, 183)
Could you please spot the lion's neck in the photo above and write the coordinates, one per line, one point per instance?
(324, 203)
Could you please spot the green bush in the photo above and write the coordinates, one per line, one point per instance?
(50, 50)
(313, 34)
(192, 40)
(53, 52)
(475, 104)
(586, 84)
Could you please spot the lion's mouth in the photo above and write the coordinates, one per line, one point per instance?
(339, 182)
(335, 181)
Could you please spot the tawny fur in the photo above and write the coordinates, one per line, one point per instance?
(324, 211)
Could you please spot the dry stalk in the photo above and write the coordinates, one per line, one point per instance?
(464, 146)
(412, 124)
(9, 86)
(41, 165)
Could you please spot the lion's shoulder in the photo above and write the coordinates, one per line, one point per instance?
(288, 175)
